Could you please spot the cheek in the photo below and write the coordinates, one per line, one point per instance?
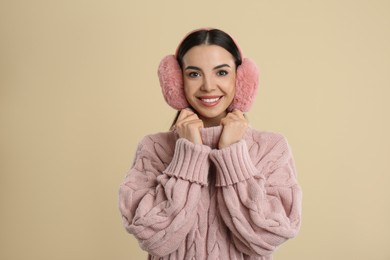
(233, 84)
(188, 89)
(230, 85)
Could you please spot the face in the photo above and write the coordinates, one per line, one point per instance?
(209, 75)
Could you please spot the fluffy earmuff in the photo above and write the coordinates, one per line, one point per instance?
(171, 82)
(247, 82)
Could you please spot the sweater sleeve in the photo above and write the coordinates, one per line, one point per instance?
(159, 196)
(258, 194)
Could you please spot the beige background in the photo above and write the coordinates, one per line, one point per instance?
(79, 89)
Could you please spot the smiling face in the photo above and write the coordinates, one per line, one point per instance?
(209, 75)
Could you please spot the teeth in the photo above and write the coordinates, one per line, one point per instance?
(210, 100)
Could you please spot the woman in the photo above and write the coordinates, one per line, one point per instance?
(212, 187)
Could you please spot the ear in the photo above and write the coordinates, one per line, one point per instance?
(247, 82)
(171, 82)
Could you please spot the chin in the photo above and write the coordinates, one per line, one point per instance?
(213, 115)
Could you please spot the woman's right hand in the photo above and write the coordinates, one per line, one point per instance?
(188, 126)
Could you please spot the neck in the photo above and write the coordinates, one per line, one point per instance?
(214, 121)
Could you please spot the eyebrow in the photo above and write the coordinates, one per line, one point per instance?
(192, 68)
(221, 66)
(215, 68)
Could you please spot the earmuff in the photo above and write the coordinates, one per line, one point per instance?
(171, 82)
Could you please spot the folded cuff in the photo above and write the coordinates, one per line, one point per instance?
(190, 162)
(233, 164)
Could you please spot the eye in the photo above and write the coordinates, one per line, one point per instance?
(222, 73)
(194, 74)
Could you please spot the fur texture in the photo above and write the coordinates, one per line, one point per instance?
(247, 82)
(171, 82)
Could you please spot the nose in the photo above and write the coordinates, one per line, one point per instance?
(208, 84)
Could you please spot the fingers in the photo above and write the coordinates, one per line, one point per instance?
(185, 117)
(234, 127)
(188, 125)
(238, 114)
(191, 121)
(185, 113)
(234, 116)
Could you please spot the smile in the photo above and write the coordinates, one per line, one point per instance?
(210, 101)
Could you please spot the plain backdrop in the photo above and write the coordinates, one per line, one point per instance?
(79, 89)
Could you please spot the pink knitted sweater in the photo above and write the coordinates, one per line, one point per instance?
(189, 201)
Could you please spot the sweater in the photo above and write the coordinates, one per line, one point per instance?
(194, 201)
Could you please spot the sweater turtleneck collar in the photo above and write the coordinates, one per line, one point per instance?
(210, 135)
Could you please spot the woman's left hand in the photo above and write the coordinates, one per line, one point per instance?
(234, 126)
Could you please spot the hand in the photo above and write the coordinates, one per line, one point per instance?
(188, 125)
(234, 127)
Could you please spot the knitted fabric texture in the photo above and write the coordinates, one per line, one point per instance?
(191, 201)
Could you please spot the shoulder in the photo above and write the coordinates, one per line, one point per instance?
(253, 135)
(160, 138)
(268, 150)
(266, 141)
(160, 144)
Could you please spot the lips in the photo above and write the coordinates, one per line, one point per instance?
(210, 101)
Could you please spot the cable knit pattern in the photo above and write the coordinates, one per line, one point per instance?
(187, 201)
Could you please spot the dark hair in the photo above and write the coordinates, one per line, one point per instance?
(208, 37)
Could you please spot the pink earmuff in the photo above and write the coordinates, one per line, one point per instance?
(171, 82)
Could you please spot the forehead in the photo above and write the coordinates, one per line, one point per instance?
(207, 55)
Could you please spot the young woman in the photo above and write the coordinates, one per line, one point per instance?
(212, 187)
